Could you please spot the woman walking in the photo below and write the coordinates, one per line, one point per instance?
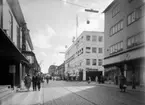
(27, 81)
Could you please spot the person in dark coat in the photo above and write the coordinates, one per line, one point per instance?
(122, 83)
(34, 82)
(39, 80)
(47, 79)
(133, 81)
(27, 81)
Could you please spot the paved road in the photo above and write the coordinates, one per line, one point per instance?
(76, 93)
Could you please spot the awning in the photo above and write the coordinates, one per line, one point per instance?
(8, 51)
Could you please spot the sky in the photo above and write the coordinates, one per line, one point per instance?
(52, 25)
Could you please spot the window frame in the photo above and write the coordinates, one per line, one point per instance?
(99, 50)
(94, 37)
(94, 50)
(88, 62)
(87, 38)
(115, 8)
(94, 62)
(101, 61)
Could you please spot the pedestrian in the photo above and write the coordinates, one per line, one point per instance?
(34, 82)
(99, 79)
(39, 80)
(116, 79)
(96, 79)
(89, 80)
(122, 84)
(133, 81)
(27, 81)
(47, 79)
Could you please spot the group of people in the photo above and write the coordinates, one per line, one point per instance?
(35, 80)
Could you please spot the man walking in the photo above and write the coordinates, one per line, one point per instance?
(47, 79)
(133, 81)
(39, 80)
(34, 82)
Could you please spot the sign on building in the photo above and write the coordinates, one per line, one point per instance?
(12, 69)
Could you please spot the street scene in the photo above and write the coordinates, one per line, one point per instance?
(72, 52)
(77, 93)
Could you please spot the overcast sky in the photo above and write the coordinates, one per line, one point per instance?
(52, 24)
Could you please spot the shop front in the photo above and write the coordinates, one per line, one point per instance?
(10, 60)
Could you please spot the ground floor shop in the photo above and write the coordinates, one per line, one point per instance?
(12, 67)
(129, 63)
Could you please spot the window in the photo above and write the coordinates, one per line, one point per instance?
(88, 38)
(100, 62)
(135, 40)
(100, 50)
(121, 25)
(135, 15)
(18, 37)
(94, 50)
(94, 62)
(87, 61)
(10, 26)
(82, 51)
(100, 38)
(115, 10)
(116, 47)
(121, 45)
(94, 38)
(88, 49)
(116, 28)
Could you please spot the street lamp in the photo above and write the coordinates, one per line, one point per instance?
(88, 22)
(91, 10)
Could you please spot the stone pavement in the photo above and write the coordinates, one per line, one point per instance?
(111, 84)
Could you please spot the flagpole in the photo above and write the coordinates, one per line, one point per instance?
(76, 26)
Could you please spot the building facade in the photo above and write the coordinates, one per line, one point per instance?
(52, 70)
(124, 40)
(13, 38)
(84, 57)
(60, 71)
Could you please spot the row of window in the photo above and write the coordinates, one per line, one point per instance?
(135, 15)
(94, 62)
(116, 47)
(131, 18)
(94, 38)
(78, 53)
(135, 40)
(131, 42)
(116, 9)
(94, 50)
(116, 28)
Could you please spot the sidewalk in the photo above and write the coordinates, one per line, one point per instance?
(111, 84)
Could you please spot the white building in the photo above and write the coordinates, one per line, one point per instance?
(85, 56)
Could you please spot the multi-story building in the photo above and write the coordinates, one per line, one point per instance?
(13, 38)
(52, 70)
(60, 71)
(84, 57)
(124, 39)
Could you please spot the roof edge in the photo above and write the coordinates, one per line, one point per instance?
(108, 7)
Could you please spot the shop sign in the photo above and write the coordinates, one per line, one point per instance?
(12, 69)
